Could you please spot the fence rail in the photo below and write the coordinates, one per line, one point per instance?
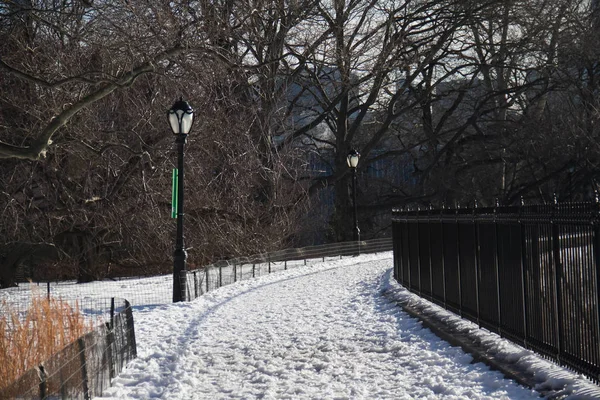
(84, 368)
(529, 273)
(197, 282)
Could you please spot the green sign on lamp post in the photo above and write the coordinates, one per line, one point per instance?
(174, 194)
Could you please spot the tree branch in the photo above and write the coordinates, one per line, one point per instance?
(40, 145)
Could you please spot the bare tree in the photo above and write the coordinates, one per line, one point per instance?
(87, 153)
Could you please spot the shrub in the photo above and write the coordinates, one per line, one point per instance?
(30, 337)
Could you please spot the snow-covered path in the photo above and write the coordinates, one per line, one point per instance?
(320, 332)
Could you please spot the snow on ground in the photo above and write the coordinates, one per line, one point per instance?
(325, 331)
(551, 378)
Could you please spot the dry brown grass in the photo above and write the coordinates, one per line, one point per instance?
(29, 338)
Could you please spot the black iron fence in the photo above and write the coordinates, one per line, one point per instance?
(197, 282)
(84, 368)
(529, 273)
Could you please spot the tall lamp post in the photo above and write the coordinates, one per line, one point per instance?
(181, 119)
(352, 160)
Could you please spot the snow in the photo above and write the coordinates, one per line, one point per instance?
(329, 330)
(325, 331)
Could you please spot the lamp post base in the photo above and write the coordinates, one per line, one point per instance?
(179, 279)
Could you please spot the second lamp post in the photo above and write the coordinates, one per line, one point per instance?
(181, 118)
(352, 160)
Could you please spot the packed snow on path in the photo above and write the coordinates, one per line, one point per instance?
(320, 332)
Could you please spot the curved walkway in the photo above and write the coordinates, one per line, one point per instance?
(320, 332)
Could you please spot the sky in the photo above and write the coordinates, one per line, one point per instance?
(330, 330)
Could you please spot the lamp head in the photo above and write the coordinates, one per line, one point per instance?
(181, 117)
(352, 158)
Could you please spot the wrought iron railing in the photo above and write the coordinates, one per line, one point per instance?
(529, 273)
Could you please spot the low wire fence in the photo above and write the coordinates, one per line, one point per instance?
(530, 273)
(155, 290)
(139, 291)
(197, 282)
(84, 368)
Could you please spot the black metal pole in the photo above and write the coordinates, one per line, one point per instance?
(180, 255)
(356, 229)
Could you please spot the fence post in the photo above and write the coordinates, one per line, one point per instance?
(557, 278)
(221, 276)
(195, 284)
(497, 266)
(206, 273)
(523, 272)
(430, 249)
(477, 260)
(84, 374)
(43, 381)
(408, 258)
(396, 248)
(112, 313)
(460, 309)
(443, 255)
(130, 329)
(234, 272)
(110, 339)
(187, 292)
(418, 252)
(596, 246)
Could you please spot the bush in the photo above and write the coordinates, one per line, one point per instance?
(28, 338)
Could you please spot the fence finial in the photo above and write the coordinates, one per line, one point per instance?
(522, 200)
(497, 202)
(596, 197)
(554, 198)
(476, 203)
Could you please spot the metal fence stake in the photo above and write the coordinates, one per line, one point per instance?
(477, 249)
(110, 339)
(557, 283)
(207, 287)
(524, 262)
(112, 313)
(43, 383)
(84, 372)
